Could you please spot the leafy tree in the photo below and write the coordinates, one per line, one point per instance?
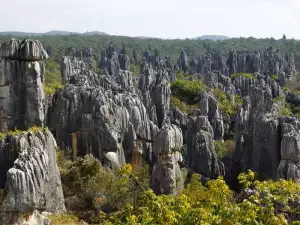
(187, 91)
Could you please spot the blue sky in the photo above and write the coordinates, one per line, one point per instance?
(155, 18)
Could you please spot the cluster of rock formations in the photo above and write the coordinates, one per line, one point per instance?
(29, 178)
(267, 62)
(112, 118)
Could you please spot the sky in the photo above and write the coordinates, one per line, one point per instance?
(156, 18)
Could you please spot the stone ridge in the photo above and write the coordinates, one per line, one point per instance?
(26, 50)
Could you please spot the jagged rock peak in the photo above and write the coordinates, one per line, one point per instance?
(31, 177)
(105, 114)
(111, 62)
(167, 177)
(25, 50)
(22, 94)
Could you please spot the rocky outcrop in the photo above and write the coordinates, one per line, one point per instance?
(179, 119)
(265, 142)
(103, 115)
(111, 62)
(71, 66)
(257, 149)
(289, 149)
(29, 178)
(182, 62)
(201, 155)
(167, 177)
(155, 92)
(268, 62)
(33, 181)
(34, 218)
(210, 109)
(217, 80)
(26, 50)
(22, 96)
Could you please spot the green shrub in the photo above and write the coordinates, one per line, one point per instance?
(285, 88)
(295, 109)
(182, 106)
(187, 91)
(183, 150)
(225, 105)
(15, 132)
(213, 203)
(89, 187)
(64, 219)
(279, 98)
(246, 75)
(286, 110)
(135, 69)
(52, 71)
(181, 75)
(50, 89)
(225, 148)
(274, 77)
(237, 100)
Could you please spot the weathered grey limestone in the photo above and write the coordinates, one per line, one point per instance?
(25, 50)
(33, 182)
(201, 155)
(257, 149)
(35, 218)
(289, 167)
(22, 95)
(155, 92)
(104, 114)
(167, 177)
(71, 66)
(209, 108)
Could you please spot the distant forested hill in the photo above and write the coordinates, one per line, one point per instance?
(51, 33)
(212, 37)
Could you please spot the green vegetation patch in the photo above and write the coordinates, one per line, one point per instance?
(274, 77)
(213, 203)
(286, 110)
(52, 71)
(225, 105)
(64, 219)
(187, 91)
(50, 89)
(224, 148)
(246, 75)
(89, 187)
(285, 89)
(52, 77)
(182, 106)
(135, 69)
(34, 129)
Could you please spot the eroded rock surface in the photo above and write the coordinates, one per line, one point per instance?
(33, 182)
(167, 177)
(22, 96)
